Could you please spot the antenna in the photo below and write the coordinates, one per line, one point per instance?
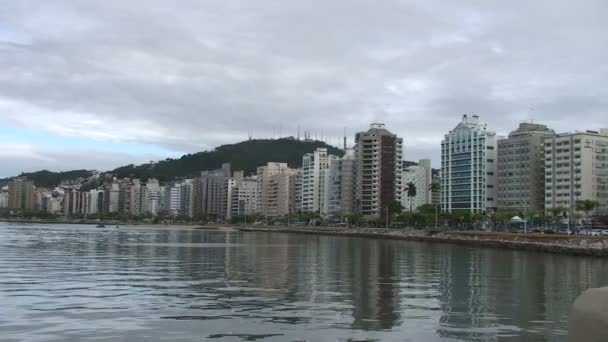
(344, 138)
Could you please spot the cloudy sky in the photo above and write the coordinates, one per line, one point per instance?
(102, 83)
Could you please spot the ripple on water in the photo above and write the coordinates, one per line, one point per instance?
(61, 283)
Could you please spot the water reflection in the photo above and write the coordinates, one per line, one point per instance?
(75, 282)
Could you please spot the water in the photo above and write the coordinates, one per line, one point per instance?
(80, 283)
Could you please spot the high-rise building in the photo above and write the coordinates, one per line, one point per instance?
(111, 196)
(576, 169)
(211, 192)
(72, 202)
(21, 194)
(173, 196)
(277, 187)
(314, 172)
(247, 196)
(520, 175)
(152, 197)
(420, 176)
(3, 199)
(468, 168)
(187, 198)
(378, 155)
(340, 185)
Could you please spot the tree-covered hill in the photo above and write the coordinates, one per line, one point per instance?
(246, 155)
(46, 179)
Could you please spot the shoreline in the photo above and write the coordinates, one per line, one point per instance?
(557, 244)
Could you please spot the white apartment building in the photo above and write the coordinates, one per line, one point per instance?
(173, 196)
(246, 197)
(420, 176)
(340, 185)
(3, 200)
(152, 197)
(314, 171)
(576, 169)
(468, 167)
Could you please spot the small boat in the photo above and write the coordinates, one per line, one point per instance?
(100, 226)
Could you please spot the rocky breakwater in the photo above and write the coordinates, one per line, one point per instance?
(576, 245)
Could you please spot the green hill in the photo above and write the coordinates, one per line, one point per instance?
(246, 155)
(46, 179)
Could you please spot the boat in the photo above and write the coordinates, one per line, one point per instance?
(100, 225)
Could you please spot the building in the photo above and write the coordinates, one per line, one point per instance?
(21, 194)
(576, 168)
(421, 176)
(520, 174)
(277, 188)
(314, 172)
(72, 202)
(173, 196)
(3, 199)
(211, 192)
(247, 196)
(111, 197)
(340, 185)
(152, 195)
(378, 155)
(468, 168)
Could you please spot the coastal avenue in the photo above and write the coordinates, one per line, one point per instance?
(74, 283)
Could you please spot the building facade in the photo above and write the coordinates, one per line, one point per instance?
(3, 199)
(576, 169)
(378, 155)
(211, 192)
(520, 174)
(314, 173)
(468, 168)
(421, 176)
(21, 194)
(277, 187)
(340, 185)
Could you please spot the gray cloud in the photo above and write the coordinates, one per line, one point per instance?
(194, 74)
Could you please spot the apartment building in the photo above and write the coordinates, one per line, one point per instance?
(314, 173)
(520, 175)
(419, 175)
(468, 167)
(340, 185)
(378, 155)
(576, 168)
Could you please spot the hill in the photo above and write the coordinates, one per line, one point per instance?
(47, 179)
(246, 155)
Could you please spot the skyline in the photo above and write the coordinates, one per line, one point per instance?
(105, 84)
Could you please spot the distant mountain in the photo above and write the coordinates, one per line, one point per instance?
(246, 156)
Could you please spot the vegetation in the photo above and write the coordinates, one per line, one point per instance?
(47, 179)
(246, 155)
(411, 192)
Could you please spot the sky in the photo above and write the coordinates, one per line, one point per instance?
(103, 83)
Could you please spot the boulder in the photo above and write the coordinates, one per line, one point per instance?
(589, 317)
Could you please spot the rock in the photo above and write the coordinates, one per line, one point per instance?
(589, 317)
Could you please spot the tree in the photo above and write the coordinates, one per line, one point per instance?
(557, 212)
(411, 192)
(586, 206)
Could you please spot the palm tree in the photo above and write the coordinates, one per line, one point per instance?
(432, 188)
(411, 192)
